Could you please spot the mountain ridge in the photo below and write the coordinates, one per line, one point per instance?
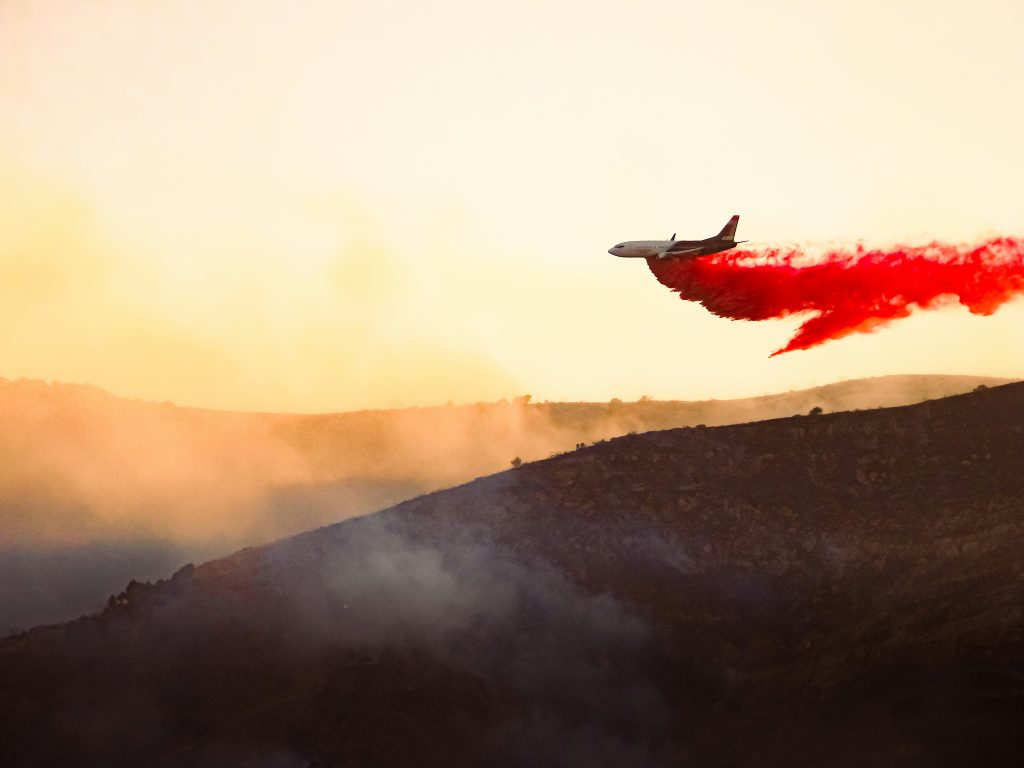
(832, 589)
(96, 489)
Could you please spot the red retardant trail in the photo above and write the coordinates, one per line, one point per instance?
(848, 291)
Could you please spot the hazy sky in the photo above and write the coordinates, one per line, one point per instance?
(327, 205)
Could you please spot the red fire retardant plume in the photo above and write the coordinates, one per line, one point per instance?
(847, 291)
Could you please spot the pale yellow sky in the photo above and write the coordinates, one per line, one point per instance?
(324, 206)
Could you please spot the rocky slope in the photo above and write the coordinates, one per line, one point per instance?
(841, 589)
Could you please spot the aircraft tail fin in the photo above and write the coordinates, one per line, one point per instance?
(729, 230)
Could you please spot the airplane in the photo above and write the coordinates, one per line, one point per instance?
(677, 249)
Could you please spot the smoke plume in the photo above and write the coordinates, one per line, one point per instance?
(848, 290)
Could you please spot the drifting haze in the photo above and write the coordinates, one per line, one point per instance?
(96, 489)
(783, 593)
(247, 205)
(79, 466)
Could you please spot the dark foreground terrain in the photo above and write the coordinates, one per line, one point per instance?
(842, 590)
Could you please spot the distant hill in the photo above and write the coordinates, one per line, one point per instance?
(96, 489)
(840, 589)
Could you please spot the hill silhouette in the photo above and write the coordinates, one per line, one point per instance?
(97, 489)
(839, 589)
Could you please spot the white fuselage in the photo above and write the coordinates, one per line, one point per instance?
(679, 249)
(640, 249)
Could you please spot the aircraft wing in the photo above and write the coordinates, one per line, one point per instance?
(672, 253)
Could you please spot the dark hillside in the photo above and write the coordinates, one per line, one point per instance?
(97, 489)
(843, 589)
